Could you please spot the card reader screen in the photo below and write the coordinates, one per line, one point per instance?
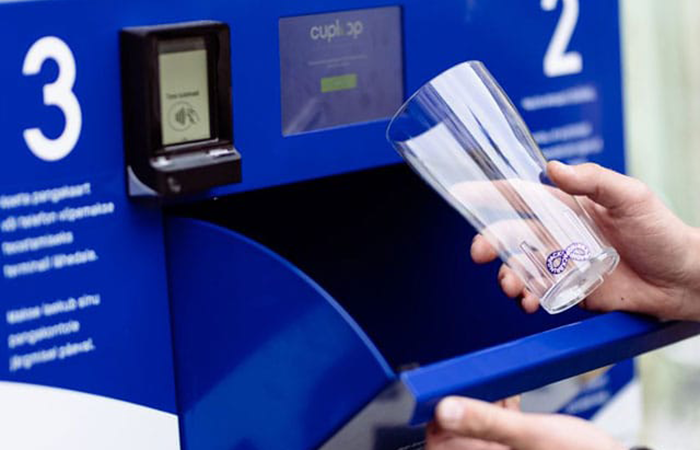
(340, 68)
(184, 90)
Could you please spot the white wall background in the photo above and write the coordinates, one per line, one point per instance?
(661, 48)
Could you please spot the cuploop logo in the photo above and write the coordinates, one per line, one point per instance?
(336, 29)
(559, 259)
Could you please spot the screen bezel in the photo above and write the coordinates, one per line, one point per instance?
(219, 85)
(211, 48)
(184, 44)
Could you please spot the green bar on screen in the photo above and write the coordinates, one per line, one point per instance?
(339, 83)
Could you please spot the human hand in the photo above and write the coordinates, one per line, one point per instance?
(466, 424)
(659, 271)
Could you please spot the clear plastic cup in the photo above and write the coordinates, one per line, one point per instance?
(464, 137)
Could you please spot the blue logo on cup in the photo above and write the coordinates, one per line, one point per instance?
(558, 259)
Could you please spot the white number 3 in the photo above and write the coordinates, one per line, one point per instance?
(59, 93)
(558, 61)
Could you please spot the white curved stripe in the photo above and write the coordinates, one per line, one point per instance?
(34, 417)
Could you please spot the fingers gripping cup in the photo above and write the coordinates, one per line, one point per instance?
(464, 137)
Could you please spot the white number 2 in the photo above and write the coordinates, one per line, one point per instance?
(557, 61)
(59, 93)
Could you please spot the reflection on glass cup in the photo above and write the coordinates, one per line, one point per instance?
(464, 137)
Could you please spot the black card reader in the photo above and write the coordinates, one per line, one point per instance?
(176, 100)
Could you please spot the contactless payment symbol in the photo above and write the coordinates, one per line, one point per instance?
(182, 116)
(559, 259)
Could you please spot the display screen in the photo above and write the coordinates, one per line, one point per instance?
(184, 90)
(340, 68)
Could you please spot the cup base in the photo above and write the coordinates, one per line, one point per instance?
(580, 283)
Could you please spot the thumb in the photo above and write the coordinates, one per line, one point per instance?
(604, 186)
(480, 420)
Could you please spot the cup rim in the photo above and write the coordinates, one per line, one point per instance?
(409, 100)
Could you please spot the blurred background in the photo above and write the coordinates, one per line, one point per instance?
(662, 102)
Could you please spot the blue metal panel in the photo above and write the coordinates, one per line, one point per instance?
(511, 37)
(534, 361)
(129, 329)
(265, 358)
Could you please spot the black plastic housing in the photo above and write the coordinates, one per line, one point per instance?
(155, 169)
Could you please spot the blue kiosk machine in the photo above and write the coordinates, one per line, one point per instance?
(207, 242)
